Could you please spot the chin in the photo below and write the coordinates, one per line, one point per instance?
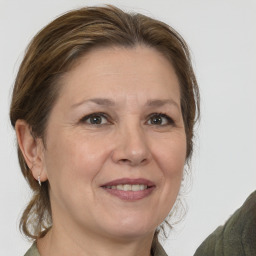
(130, 229)
(132, 234)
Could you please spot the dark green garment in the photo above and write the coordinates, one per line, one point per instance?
(32, 251)
(159, 251)
(237, 237)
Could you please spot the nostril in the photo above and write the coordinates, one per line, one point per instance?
(130, 153)
(133, 162)
(125, 161)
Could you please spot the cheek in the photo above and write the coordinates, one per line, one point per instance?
(170, 154)
(74, 158)
(72, 166)
(170, 157)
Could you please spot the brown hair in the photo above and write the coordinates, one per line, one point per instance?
(53, 51)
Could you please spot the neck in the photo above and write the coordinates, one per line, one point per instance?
(66, 243)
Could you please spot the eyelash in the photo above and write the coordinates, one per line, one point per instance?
(100, 114)
(163, 115)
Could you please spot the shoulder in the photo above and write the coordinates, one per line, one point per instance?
(157, 249)
(237, 237)
(32, 251)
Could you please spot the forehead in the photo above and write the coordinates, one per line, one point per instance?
(115, 70)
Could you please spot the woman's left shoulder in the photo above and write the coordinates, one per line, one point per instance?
(32, 251)
(157, 249)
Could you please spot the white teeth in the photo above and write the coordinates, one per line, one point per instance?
(129, 187)
(136, 187)
(142, 187)
(119, 187)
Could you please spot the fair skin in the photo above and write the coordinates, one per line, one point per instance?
(136, 134)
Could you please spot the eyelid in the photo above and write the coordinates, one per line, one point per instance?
(170, 119)
(86, 117)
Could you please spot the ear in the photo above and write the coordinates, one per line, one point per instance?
(32, 149)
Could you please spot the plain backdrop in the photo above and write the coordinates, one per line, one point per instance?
(222, 38)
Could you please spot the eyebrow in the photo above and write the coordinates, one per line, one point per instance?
(98, 101)
(109, 103)
(160, 103)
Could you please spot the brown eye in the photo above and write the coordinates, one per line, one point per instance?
(156, 120)
(95, 119)
(160, 119)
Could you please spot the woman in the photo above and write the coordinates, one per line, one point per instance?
(104, 107)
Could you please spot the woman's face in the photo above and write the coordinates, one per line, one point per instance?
(115, 144)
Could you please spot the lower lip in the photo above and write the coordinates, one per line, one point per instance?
(130, 195)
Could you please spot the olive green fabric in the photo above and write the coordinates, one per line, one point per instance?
(237, 237)
(32, 251)
(158, 251)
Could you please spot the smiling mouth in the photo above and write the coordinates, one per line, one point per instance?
(129, 189)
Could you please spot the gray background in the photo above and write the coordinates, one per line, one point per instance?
(222, 37)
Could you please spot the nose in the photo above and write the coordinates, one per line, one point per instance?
(131, 147)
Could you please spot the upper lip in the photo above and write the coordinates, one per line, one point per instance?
(122, 181)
